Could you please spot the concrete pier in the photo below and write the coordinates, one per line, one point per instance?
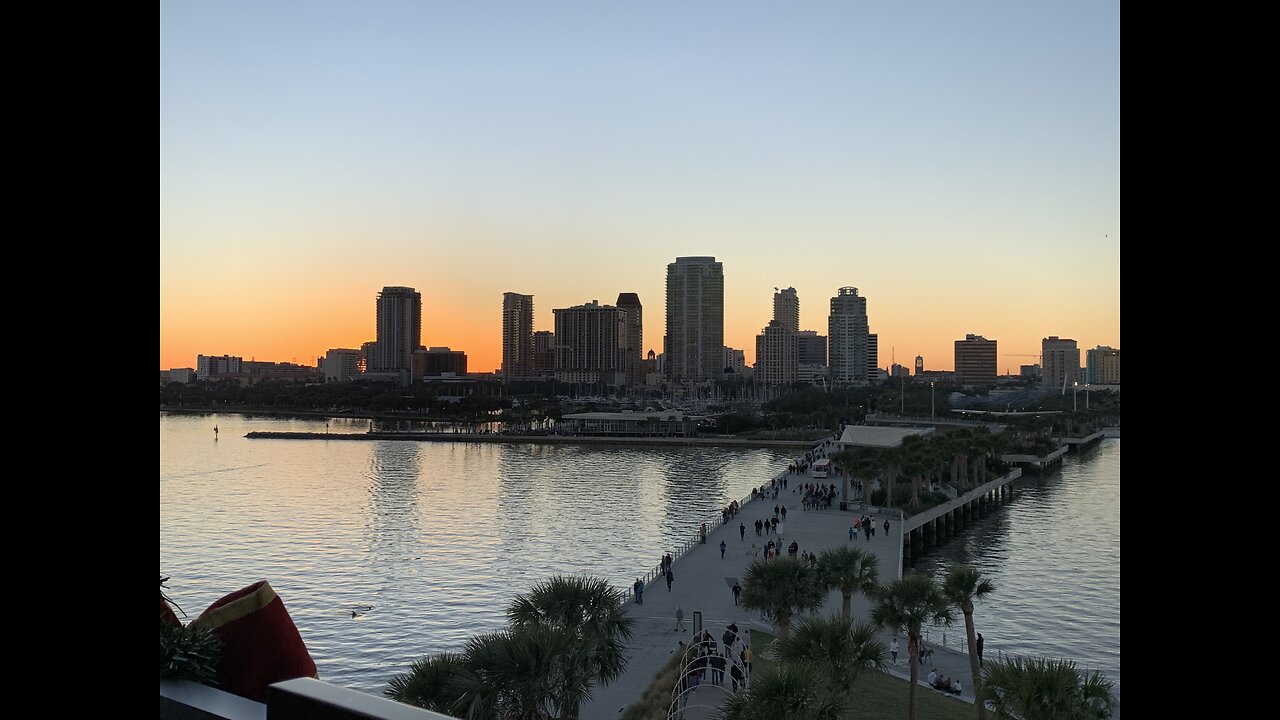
(703, 582)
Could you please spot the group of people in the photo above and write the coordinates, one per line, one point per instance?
(708, 664)
(771, 525)
(867, 526)
(818, 497)
(945, 684)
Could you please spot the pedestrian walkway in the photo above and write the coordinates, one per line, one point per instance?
(703, 588)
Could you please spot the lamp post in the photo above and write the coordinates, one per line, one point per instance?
(1075, 386)
(932, 415)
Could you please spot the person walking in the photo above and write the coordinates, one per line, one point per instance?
(737, 590)
(639, 588)
(679, 620)
(742, 531)
(979, 647)
(735, 676)
(670, 578)
(886, 528)
(722, 547)
(702, 533)
(893, 650)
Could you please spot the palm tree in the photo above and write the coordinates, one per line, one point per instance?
(851, 570)
(521, 674)
(591, 610)
(891, 458)
(983, 441)
(1043, 689)
(835, 646)
(905, 605)
(961, 587)
(847, 461)
(430, 683)
(796, 691)
(783, 586)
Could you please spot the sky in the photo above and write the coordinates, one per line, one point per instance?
(958, 163)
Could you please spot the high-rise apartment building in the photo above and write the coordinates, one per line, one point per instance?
(517, 335)
(399, 331)
(735, 359)
(852, 349)
(813, 356)
(975, 360)
(591, 344)
(1060, 359)
(635, 335)
(777, 355)
(544, 352)
(1102, 366)
(694, 343)
(786, 308)
(214, 365)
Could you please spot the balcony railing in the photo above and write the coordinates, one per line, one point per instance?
(300, 699)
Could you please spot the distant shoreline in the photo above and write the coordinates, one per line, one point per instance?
(703, 441)
(540, 439)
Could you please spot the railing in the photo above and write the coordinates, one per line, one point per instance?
(300, 699)
(715, 522)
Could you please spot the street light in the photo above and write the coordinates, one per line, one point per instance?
(931, 410)
(1075, 386)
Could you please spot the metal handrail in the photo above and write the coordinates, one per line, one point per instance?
(716, 521)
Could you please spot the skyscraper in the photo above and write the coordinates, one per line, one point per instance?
(813, 356)
(694, 343)
(399, 331)
(544, 353)
(591, 342)
(777, 355)
(635, 335)
(786, 308)
(1061, 361)
(852, 349)
(517, 335)
(975, 360)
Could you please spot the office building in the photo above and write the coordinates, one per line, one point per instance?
(975, 360)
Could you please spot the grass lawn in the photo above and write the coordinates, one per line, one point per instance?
(881, 696)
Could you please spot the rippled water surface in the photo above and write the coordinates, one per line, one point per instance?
(1054, 556)
(438, 537)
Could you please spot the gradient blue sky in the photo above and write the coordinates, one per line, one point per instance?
(959, 163)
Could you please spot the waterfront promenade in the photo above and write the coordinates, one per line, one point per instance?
(703, 582)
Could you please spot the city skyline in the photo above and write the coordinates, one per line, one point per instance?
(959, 166)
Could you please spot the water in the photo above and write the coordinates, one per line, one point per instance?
(1054, 556)
(438, 537)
